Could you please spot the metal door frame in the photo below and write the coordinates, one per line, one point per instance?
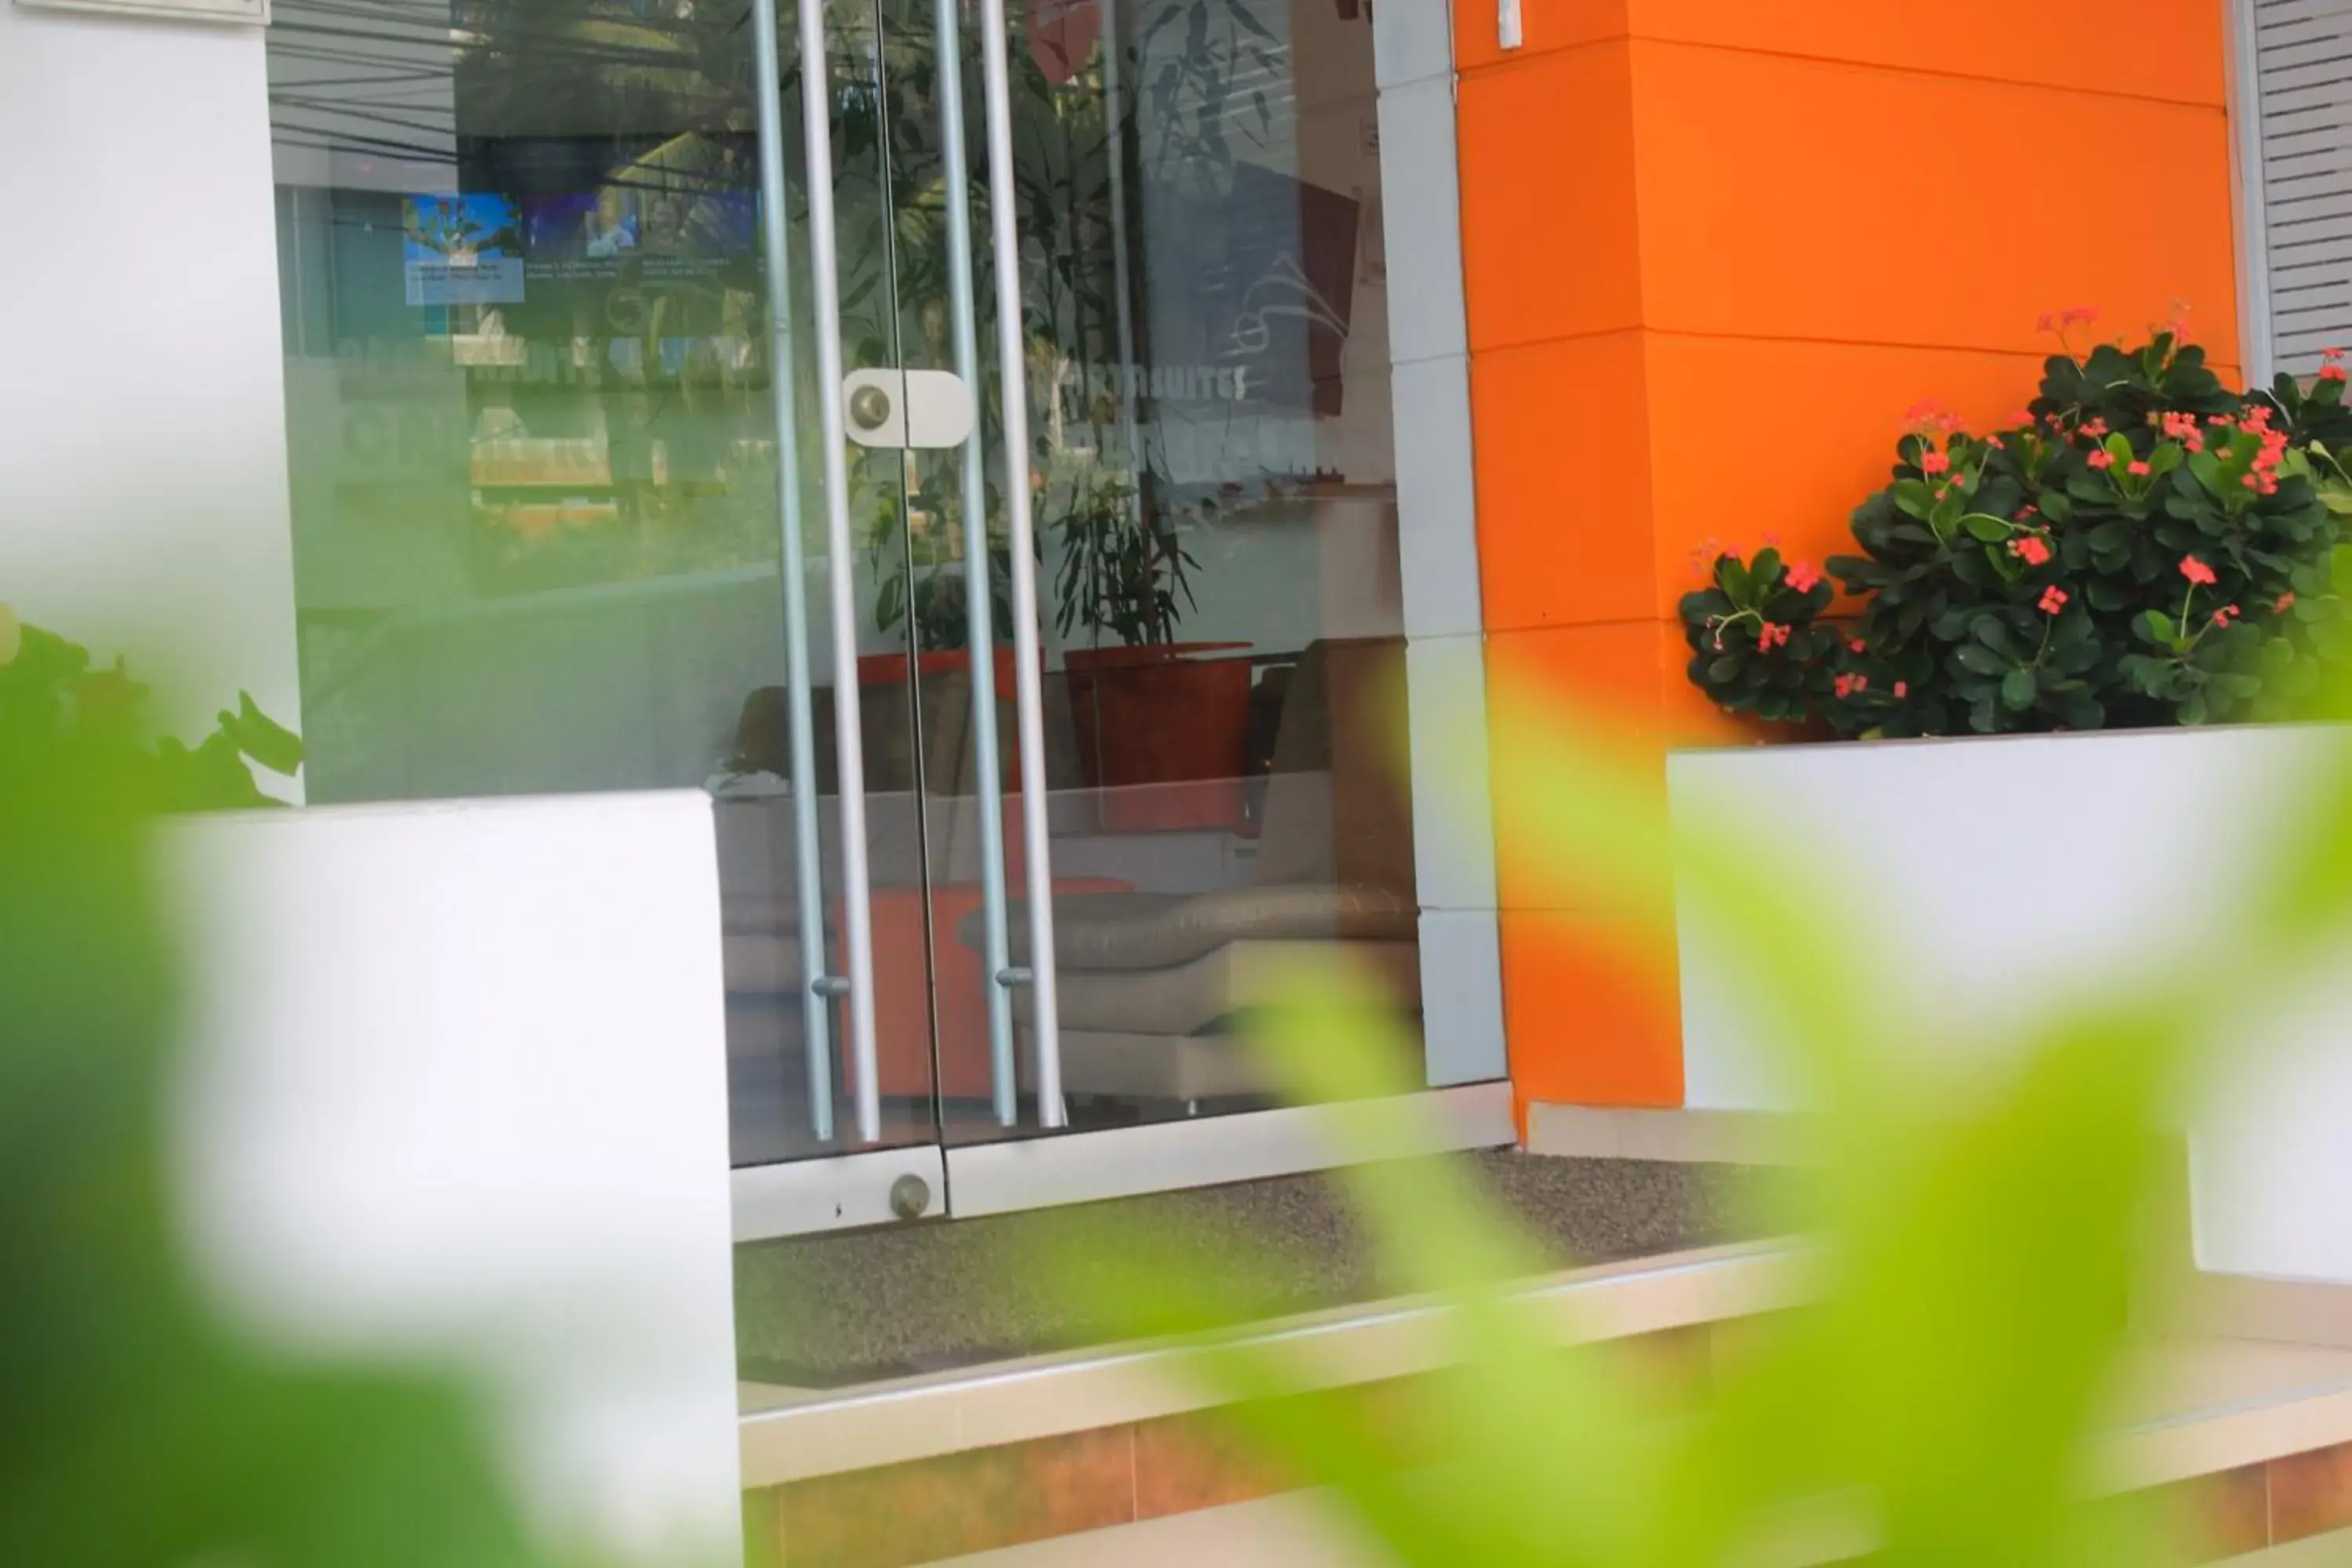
(1414, 78)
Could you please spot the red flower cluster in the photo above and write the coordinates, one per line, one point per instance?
(2257, 423)
(1930, 418)
(2225, 614)
(2053, 599)
(2283, 603)
(2100, 458)
(1804, 576)
(2197, 571)
(2331, 365)
(1772, 635)
(2182, 427)
(2032, 549)
(1847, 685)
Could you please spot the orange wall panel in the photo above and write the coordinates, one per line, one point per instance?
(1563, 458)
(1714, 251)
(1784, 197)
(1546, 152)
(1547, 27)
(1815, 436)
(2144, 48)
(1591, 1010)
(1611, 677)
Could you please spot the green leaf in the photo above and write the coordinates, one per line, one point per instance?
(2207, 467)
(1979, 659)
(2081, 710)
(2156, 628)
(2018, 689)
(1990, 529)
(1990, 631)
(263, 739)
(1732, 573)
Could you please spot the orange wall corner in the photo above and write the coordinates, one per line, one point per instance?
(1713, 251)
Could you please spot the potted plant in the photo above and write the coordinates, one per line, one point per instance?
(1148, 709)
(2141, 546)
(2108, 590)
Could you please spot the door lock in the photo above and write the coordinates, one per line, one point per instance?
(910, 1196)
(903, 410)
(869, 407)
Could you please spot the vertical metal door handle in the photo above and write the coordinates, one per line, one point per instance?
(808, 850)
(825, 264)
(1027, 658)
(979, 610)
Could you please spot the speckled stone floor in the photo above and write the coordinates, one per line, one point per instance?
(835, 1310)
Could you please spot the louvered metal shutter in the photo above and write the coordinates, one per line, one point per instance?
(2302, 72)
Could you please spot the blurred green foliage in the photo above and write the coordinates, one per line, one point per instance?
(1983, 1245)
(137, 1428)
(55, 699)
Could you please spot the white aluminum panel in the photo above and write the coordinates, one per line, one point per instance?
(1411, 42)
(844, 1193)
(1437, 510)
(1462, 996)
(1420, 198)
(1452, 813)
(2294, 71)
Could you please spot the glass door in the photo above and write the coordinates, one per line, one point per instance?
(957, 435)
(1152, 610)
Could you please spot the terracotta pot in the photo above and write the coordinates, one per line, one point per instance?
(1162, 716)
(1061, 35)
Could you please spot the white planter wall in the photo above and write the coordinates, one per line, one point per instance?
(142, 410)
(456, 1090)
(1997, 875)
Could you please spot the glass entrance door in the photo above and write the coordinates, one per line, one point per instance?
(955, 433)
(1151, 612)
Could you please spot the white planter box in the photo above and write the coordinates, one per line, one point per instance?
(1999, 876)
(456, 1088)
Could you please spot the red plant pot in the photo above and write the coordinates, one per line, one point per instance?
(1161, 715)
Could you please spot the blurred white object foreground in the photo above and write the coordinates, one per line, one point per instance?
(2003, 878)
(456, 1091)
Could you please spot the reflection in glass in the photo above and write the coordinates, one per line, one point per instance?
(535, 478)
(1206, 324)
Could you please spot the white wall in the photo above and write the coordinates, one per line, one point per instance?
(1997, 878)
(458, 1089)
(143, 450)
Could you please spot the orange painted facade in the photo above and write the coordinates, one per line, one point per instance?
(1713, 251)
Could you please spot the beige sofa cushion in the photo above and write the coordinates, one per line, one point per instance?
(1154, 930)
(1189, 997)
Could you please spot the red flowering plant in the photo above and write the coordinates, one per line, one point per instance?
(2140, 546)
(1759, 637)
